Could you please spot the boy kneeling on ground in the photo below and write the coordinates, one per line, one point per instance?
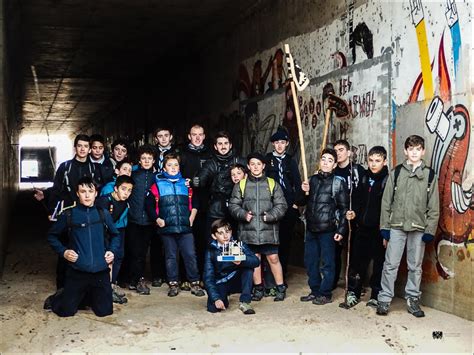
(223, 278)
(88, 254)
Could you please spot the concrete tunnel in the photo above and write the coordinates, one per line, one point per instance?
(122, 68)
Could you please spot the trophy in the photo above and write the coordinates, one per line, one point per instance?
(232, 251)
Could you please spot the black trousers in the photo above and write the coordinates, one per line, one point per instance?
(367, 246)
(137, 242)
(78, 284)
(157, 258)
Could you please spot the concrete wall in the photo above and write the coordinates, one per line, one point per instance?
(8, 136)
(404, 68)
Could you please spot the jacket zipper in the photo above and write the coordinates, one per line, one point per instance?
(90, 236)
(146, 184)
(257, 213)
(176, 202)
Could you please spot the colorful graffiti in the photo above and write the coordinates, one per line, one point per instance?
(452, 18)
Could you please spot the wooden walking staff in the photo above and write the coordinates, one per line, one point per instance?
(301, 81)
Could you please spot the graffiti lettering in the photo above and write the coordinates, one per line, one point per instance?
(362, 105)
(343, 129)
(345, 85)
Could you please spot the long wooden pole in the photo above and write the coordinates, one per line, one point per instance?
(326, 128)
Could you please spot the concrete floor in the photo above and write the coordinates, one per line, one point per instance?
(156, 323)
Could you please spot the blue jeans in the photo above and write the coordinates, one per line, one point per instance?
(242, 283)
(118, 257)
(184, 243)
(320, 247)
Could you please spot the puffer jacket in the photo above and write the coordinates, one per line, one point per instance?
(325, 212)
(216, 272)
(216, 174)
(413, 207)
(143, 180)
(86, 237)
(175, 202)
(258, 199)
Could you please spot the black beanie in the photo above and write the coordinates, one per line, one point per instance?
(256, 155)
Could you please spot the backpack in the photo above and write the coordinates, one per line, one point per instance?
(67, 170)
(397, 170)
(271, 186)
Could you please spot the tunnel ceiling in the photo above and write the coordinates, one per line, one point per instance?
(87, 53)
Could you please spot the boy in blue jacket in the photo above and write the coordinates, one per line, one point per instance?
(171, 204)
(88, 252)
(116, 203)
(223, 278)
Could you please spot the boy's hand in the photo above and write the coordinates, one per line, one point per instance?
(70, 255)
(191, 220)
(305, 186)
(385, 243)
(337, 237)
(249, 216)
(187, 182)
(350, 215)
(219, 304)
(109, 257)
(39, 195)
(427, 237)
(237, 262)
(160, 222)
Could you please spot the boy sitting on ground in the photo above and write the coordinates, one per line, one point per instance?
(223, 278)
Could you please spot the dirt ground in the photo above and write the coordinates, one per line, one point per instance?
(157, 323)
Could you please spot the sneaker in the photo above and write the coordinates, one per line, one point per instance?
(413, 307)
(280, 293)
(173, 290)
(185, 286)
(246, 308)
(132, 287)
(321, 300)
(118, 290)
(382, 308)
(372, 303)
(118, 299)
(270, 292)
(157, 282)
(351, 299)
(257, 293)
(307, 298)
(142, 288)
(196, 289)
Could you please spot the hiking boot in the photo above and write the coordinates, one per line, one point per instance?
(372, 303)
(322, 300)
(246, 308)
(185, 286)
(280, 293)
(196, 289)
(157, 282)
(173, 290)
(118, 290)
(382, 308)
(118, 299)
(307, 298)
(413, 307)
(257, 293)
(351, 299)
(142, 288)
(270, 292)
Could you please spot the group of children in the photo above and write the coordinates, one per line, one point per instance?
(187, 204)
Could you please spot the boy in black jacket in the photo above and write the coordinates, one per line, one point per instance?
(367, 243)
(325, 225)
(223, 278)
(87, 252)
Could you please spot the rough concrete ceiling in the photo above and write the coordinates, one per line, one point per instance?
(86, 52)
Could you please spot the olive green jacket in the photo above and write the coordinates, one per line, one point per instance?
(413, 207)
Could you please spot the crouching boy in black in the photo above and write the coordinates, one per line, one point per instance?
(88, 254)
(223, 278)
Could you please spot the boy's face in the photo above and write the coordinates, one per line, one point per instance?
(237, 174)
(256, 167)
(222, 145)
(343, 154)
(164, 138)
(327, 163)
(97, 150)
(119, 153)
(82, 149)
(123, 191)
(414, 154)
(196, 136)
(376, 163)
(87, 195)
(222, 235)
(125, 169)
(172, 166)
(280, 146)
(146, 161)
